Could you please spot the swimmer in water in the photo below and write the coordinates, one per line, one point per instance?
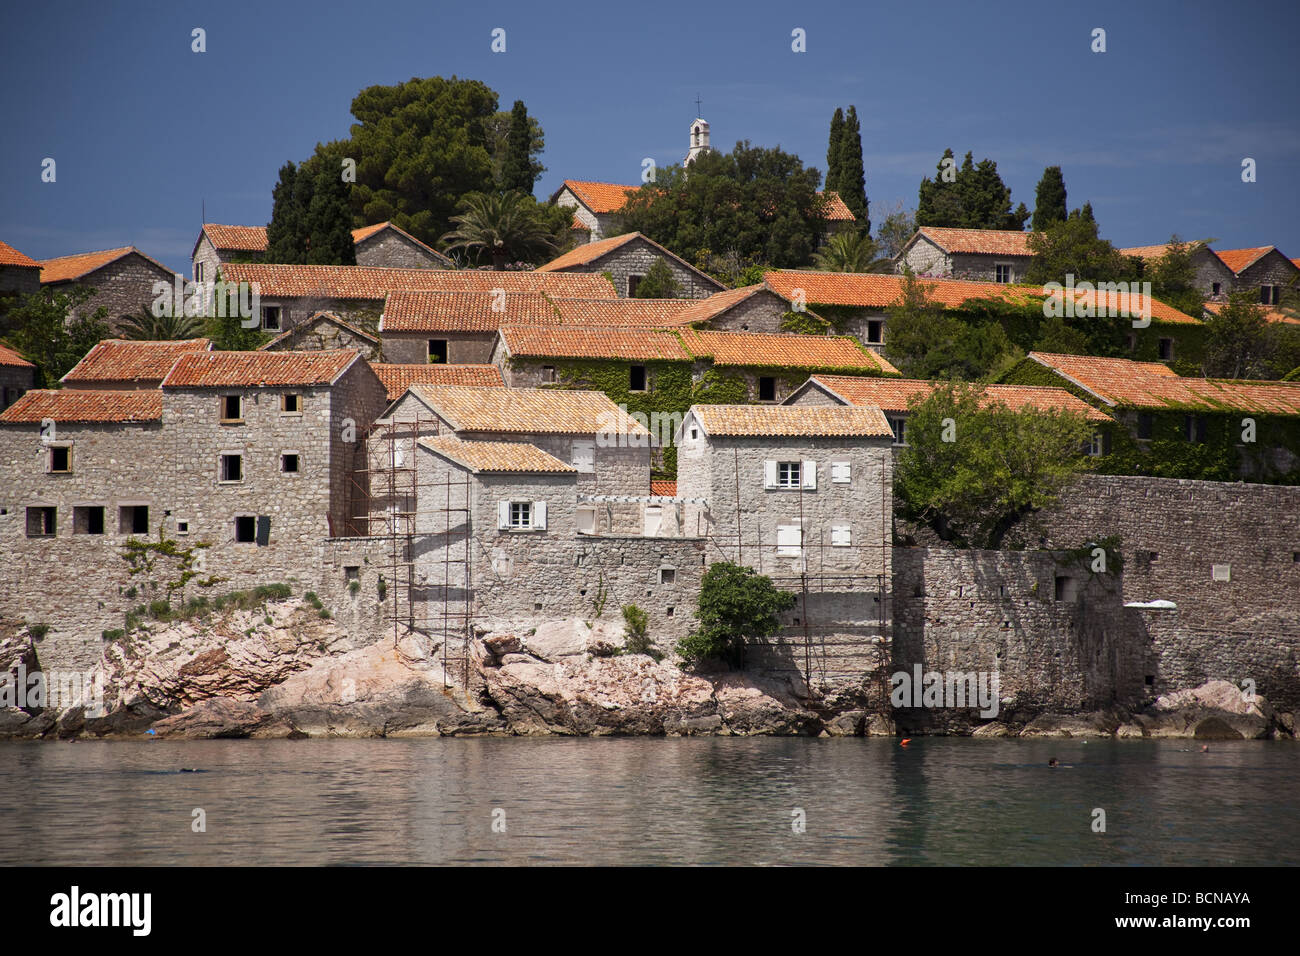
(1053, 763)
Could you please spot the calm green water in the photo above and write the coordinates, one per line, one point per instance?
(649, 801)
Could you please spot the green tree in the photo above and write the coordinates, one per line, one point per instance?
(736, 604)
(497, 131)
(1173, 277)
(833, 147)
(1049, 199)
(658, 283)
(1073, 248)
(503, 227)
(851, 183)
(898, 226)
(1239, 342)
(311, 219)
(972, 196)
(924, 341)
(1055, 334)
(517, 172)
(53, 331)
(228, 332)
(143, 325)
(973, 469)
(288, 227)
(850, 251)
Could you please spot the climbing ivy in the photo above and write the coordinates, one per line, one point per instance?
(804, 323)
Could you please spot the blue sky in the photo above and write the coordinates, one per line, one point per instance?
(1152, 132)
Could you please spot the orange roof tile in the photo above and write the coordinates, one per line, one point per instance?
(599, 197)
(398, 378)
(1271, 315)
(365, 232)
(534, 341)
(68, 268)
(663, 488)
(372, 282)
(487, 312)
(703, 310)
(893, 394)
(633, 313)
(836, 209)
(10, 357)
(9, 256)
(85, 405)
(579, 225)
(1239, 260)
(254, 369)
(587, 252)
(507, 456)
(236, 238)
(782, 351)
(526, 410)
(993, 242)
(1155, 252)
(119, 360)
(1125, 383)
(791, 420)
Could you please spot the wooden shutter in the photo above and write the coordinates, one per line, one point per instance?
(503, 514)
(809, 475)
(841, 471)
(263, 530)
(769, 474)
(841, 535)
(539, 514)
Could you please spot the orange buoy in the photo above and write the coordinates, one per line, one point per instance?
(905, 741)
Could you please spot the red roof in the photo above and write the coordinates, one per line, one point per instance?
(398, 378)
(372, 282)
(487, 312)
(599, 197)
(782, 351)
(894, 394)
(85, 405)
(836, 210)
(253, 369)
(587, 252)
(610, 343)
(1271, 315)
(663, 488)
(1239, 260)
(68, 268)
(992, 242)
(9, 357)
(119, 360)
(9, 256)
(236, 238)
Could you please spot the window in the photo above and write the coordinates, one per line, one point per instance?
(789, 540)
(875, 331)
(352, 572)
(695, 433)
(1214, 288)
(271, 318)
(198, 272)
(841, 472)
(1096, 446)
(437, 351)
(584, 456)
(232, 468)
(60, 459)
(899, 425)
(133, 519)
(521, 514)
(1146, 425)
(232, 408)
(787, 474)
(246, 529)
(289, 463)
(586, 518)
(42, 522)
(841, 535)
(291, 404)
(632, 283)
(182, 526)
(1002, 272)
(636, 378)
(1194, 428)
(1166, 349)
(1067, 589)
(766, 388)
(1132, 342)
(548, 374)
(88, 519)
(667, 575)
(1268, 294)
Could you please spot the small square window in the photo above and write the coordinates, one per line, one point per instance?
(291, 404)
(1215, 288)
(548, 374)
(766, 388)
(875, 331)
(636, 378)
(695, 433)
(1067, 588)
(1002, 272)
(182, 527)
(1146, 425)
(271, 318)
(1166, 349)
(633, 282)
(352, 572)
(841, 472)
(60, 459)
(42, 522)
(133, 519)
(246, 529)
(899, 426)
(669, 610)
(437, 351)
(788, 474)
(667, 575)
(88, 519)
(289, 464)
(521, 514)
(232, 467)
(232, 408)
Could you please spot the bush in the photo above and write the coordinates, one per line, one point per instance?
(636, 625)
(38, 631)
(736, 604)
(354, 588)
(311, 598)
(114, 634)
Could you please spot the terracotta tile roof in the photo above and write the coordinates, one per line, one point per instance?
(791, 420)
(12, 358)
(1124, 383)
(577, 224)
(587, 252)
(599, 197)
(702, 310)
(836, 210)
(365, 232)
(120, 360)
(304, 327)
(253, 369)
(85, 405)
(236, 238)
(991, 242)
(637, 313)
(487, 312)
(526, 410)
(663, 488)
(1155, 252)
(509, 456)
(782, 351)
(535, 341)
(879, 291)
(1296, 263)
(893, 394)
(1271, 315)
(68, 268)
(372, 282)
(398, 378)
(1239, 260)
(9, 256)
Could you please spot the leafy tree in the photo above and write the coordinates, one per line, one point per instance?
(504, 227)
(168, 563)
(228, 332)
(517, 172)
(658, 283)
(636, 631)
(311, 220)
(924, 341)
(51, 329)
(1055, 334)
(898, 227)
(754, 204)
(973, 469)
(143, 325)
(287, 230)
(498, 129)
(851, 181)
(851, 251)
(1239, 342)
(1049, 199)
(833, 146)
(1173, 277)
(735, 604)
(975, 198)
(1072, 247)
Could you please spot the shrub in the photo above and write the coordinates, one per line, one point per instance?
(636, 625)
(354, 587)
(311, 598)
(382, 587)
(735, 604)
(38, 631)
(113, 635)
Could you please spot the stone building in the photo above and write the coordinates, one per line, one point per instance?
(122, 280)
(292, 294)
(751, 308)
(324, 331)
(121, 364)
(894, 397)
(1264, 268)
(382, 244)
(595, 206)
(19, 274)
(627, 259)
(398, 378)
(17, 375)
(1213, 279)
(980, 255)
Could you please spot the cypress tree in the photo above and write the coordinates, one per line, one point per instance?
(329, 218)
(287, 229)
(1049, 199)
(833, 151)
(517, 173)
(852, 182)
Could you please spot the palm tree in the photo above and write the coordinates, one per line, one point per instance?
(144, 326)
(850, 252)
(505, 226)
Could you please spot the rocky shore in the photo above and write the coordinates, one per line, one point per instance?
(285, 670)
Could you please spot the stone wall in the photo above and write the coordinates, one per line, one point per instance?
(322, 335)
(207, 255)
(463, 348)
(761, 312)
(14, 381)
(23, 280)
(1271, 269)
(122, 287)
(389, 248)
(635, 257)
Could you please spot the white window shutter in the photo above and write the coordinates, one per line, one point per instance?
(769, 474)
(841, 535)
(841, 471)
(810, 474)
(539, 514)
(503, 514)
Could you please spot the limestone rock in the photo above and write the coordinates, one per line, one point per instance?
(222, 717)
(1129, 731)
(570, 637)
(1217, 710)
(879, 725)
(1069, 725)
(991, 730)
(848, 724)
(750, 705)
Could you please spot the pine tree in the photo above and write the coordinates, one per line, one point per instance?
(1049, 199)
(287, 229)
(518, 171)
(833, 151)
(851, 183)
(329, 217)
